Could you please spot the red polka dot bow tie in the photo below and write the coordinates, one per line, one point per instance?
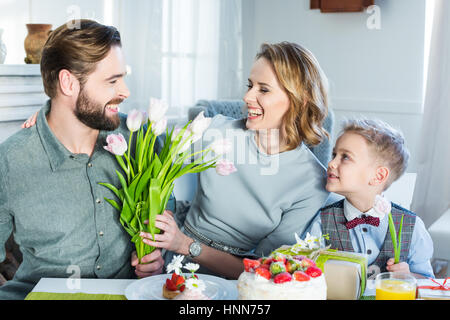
(363, 220)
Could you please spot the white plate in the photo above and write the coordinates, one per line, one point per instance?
(151, 288)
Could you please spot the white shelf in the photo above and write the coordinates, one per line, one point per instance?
(21, 91)
(24, 70)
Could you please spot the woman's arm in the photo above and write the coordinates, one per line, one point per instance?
(174, 240)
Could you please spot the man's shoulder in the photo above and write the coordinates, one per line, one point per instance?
(19, 143)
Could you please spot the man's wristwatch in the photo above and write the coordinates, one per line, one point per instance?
(195, 248)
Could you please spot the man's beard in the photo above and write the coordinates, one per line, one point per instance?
(93, 115)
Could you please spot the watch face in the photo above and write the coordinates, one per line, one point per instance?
(195, 249)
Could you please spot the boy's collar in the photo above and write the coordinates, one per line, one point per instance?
(350, 212)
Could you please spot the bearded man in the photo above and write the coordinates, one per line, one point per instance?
(50, 197)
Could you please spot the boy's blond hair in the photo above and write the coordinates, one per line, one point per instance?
(387, 143)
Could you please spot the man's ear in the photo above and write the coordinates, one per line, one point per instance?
(381, 176)
(68, 83)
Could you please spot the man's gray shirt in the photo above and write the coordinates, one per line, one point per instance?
(52, 202)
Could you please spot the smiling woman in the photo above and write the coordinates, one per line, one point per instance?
(278, 185)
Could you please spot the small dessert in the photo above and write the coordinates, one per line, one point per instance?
(173, 286)
(194, 290)
(183, 287)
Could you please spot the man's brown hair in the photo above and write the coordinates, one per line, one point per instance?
(77, 48)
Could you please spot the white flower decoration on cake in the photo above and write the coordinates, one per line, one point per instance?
(176, 264)
(195, 284)
(192, 267)
(309, 243)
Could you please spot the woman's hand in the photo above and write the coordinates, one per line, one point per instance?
(31, 121)
(399, 267)
(172, 238)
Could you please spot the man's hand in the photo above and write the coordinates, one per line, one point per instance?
(151, 264)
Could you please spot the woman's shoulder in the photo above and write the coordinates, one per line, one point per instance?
(307, 160)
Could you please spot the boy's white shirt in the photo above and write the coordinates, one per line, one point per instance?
(350, 212)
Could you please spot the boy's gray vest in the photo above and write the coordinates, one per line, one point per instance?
(333, 224)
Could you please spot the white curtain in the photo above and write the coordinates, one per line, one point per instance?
(432, 191)
(181, 50)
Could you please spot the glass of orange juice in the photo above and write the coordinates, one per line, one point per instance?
(395, 286)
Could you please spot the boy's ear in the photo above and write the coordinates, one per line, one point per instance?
(381, 176)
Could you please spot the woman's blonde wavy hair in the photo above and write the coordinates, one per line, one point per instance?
(306, 85)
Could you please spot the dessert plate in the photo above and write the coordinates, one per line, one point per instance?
(151, 288)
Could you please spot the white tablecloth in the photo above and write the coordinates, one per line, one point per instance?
(117, 287)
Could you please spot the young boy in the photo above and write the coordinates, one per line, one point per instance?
(368, 157)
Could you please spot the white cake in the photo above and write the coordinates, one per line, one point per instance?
(254, 287)
(285, 275)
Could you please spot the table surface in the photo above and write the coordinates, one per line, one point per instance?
(109, 286)
(118, 286)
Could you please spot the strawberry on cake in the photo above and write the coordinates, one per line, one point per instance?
(284, 275)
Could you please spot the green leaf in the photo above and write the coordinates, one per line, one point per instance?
(127, 229)
(166, 195)
(143, 182)
(132, 188)
(157, 165)
(125, 190)
(399, 244)
(135, 238)
(114, 204)
(393, 236)
(155, 204)
(112, 188)
(167, 144)
(173, 171)
(126, 213)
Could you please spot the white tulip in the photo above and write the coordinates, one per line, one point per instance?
(200, 124)
(157, 109)
(135, 119)
(160, 126)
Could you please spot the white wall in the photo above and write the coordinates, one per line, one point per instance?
(377, 73)
(14, 15)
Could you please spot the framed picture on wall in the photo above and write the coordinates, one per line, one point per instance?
(341, 5)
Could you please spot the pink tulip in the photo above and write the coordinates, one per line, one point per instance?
(381, 206)
(221, 146)
(117, 144)
(225, 167)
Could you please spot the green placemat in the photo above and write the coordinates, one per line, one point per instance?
(86, 296)
(72, 296)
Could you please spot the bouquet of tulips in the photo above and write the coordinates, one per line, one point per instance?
(147, 180)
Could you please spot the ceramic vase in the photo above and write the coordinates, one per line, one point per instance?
(2, 48)
(35, 40)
